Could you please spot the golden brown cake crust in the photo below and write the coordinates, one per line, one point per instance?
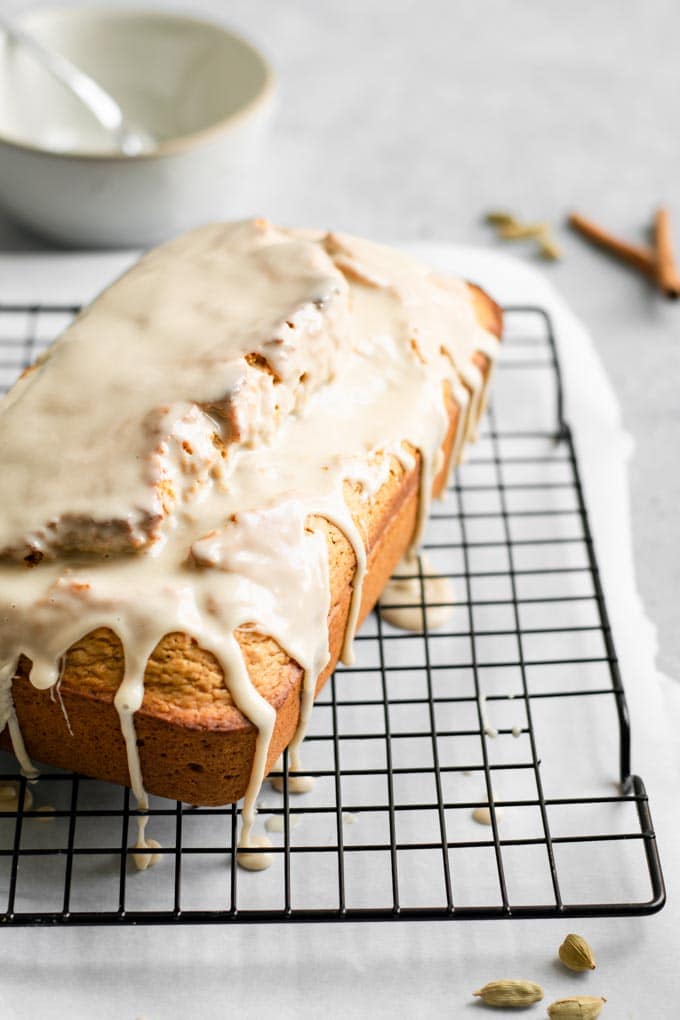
(194, 744)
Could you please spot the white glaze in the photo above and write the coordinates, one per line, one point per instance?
(170, 484)
(144, 861)
(9, 797)
(259, 861)
(482, 815)
(296, 784)
(276, 823)
(8, 717)
(57, 689)
(403, 596)
(487, 728)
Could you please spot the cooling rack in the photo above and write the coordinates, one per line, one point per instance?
(515, 707)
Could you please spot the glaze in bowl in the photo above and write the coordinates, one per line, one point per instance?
(202, 91)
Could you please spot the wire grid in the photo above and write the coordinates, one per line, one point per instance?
(514, 706)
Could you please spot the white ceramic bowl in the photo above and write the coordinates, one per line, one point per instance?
(205, 93)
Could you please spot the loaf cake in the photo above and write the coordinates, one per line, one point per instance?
(208, 479)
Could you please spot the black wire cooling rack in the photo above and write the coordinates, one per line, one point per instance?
(515, 706)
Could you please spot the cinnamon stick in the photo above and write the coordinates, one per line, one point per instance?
(656, 264)
(666, 272)
(634, 255)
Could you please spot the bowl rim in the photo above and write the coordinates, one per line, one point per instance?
(171, 146)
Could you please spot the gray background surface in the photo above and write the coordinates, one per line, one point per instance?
(405, 120)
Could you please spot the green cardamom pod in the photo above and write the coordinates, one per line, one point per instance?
(510, 993)
(580, 1007)
(576, 954)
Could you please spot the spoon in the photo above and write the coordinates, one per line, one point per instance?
(130, 139)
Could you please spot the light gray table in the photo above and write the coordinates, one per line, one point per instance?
(407, 120)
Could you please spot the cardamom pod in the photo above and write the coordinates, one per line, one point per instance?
(576, 954)
(510, 228)
(500, 219)
(510, 993)
(548, 249)
(580, 1007)
(518, 231)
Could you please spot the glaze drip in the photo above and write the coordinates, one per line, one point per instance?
(409, 602)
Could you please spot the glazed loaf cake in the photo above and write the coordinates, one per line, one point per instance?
(101, 674)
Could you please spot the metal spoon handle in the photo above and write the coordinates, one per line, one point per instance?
(98, 101)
